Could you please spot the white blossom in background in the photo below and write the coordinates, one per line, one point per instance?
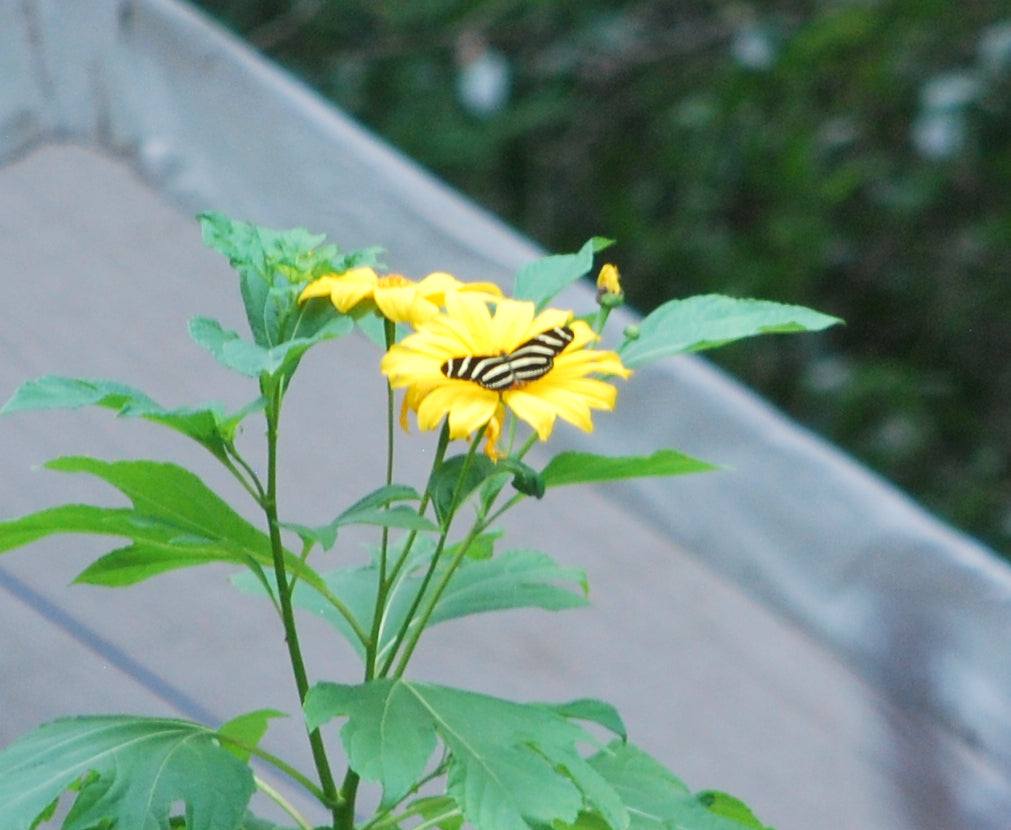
(940, 131)
(483, 76)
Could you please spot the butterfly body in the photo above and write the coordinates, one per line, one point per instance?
(531, 360)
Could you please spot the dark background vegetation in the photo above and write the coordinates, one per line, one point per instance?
(851, 156)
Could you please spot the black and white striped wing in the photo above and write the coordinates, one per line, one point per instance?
(530, 360)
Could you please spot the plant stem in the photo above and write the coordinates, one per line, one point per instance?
(282, 802)
(345, 815)
(273, 415)
(412, 639)
(382, 589)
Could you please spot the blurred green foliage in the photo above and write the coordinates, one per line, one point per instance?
(851, 156)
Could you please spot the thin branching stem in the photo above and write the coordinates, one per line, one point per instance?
(409, 639)
(282, 802)
(273, 415)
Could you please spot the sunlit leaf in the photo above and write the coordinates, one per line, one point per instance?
(273, 267)
(542, 279)
(209, 424)
(242, 734)
(251, 359)
(584, 467)
(711, 320)
(176, 521)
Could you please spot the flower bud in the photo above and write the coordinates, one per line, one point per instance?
(609, 293)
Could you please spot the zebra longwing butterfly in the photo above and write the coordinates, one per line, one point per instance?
(530, 360)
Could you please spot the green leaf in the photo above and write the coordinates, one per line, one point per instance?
(595, 711)
(439, 811)
(584, 467)
(480, 547)
(722, 804)
(251, 359)
(270, 264)
(656, 799)
(273, 267)
(511, 766)
(251, 822)
(711, 320)
(242, 734)
(371, 510)
(446, 479)
(176, 521)
(208, 425)
(133, 771)
(513, 579)
(544, 278)
(374, 509)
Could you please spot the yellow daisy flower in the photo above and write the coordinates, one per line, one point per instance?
(467, 363)
(396, 297)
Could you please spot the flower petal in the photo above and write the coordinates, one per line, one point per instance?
(468, 406)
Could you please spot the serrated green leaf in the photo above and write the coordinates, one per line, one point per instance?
(273, 267)
(711, 320)
(242, 734)
(251, 359)
(511, 766)
(541, 280)
(269, 264)
(208, 425)
(585, 467)
(656, 799)
(135, 770)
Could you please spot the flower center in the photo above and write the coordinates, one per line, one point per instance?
(393, 281)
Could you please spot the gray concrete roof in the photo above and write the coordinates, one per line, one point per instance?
(792, 630)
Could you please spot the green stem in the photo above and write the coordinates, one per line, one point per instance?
(277, 763)
(412, 638)
(422, 621)
(440, 454)
(282, 802)
(345, 815)
(602, 315)
(382, 589)
(273, 415)
(384, 816)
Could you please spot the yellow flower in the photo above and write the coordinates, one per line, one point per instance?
(396, 297)
(609, 286)
(567, 389)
